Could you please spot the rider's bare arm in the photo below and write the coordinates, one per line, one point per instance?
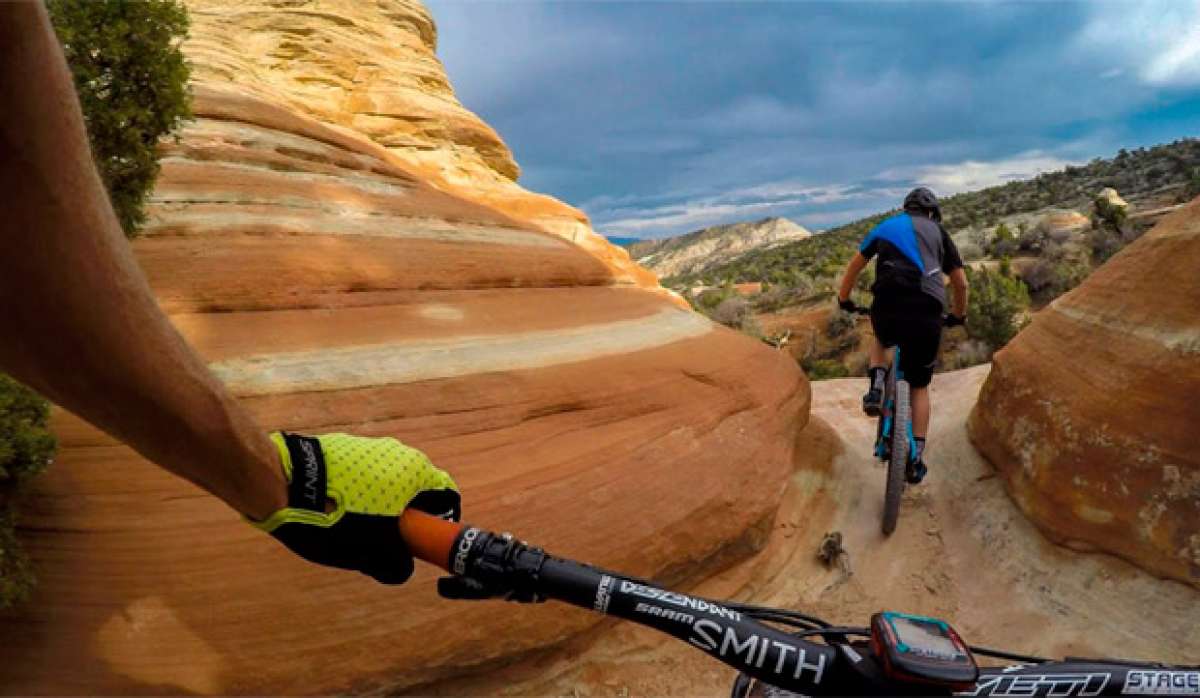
(853, 269)
(959, 291)
(81, 325)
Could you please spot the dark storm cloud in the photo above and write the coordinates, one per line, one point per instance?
(658, 118)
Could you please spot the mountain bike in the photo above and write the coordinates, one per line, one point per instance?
(894, 443)
(898, 654)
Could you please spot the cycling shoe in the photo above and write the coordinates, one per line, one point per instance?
(873, 402)
(915, 472)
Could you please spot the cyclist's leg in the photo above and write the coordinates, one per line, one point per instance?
(920, 411)
(878, 355)
(918, 354)
(885, 324)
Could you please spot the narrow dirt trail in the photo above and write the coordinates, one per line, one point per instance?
(962, 551)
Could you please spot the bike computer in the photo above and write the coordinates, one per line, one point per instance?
(922, 650)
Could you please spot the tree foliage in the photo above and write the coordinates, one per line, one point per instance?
(996, 307)
(132, 78)
(26, 446)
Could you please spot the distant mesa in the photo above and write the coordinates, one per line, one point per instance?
(709, 247)
(1090, 413)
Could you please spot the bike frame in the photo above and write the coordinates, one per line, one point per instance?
(485, 565)
(887, 415)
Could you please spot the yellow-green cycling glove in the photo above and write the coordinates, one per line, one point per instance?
(368, 483)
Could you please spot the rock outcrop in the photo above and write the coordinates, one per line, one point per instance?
(340, 274)
(694, 252)
(370, 69)
(1089, 413)
(1112, 199)
(1062, 225)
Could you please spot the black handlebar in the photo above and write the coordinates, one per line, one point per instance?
(486, 565)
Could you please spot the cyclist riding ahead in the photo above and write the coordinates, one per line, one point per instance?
(913, 251)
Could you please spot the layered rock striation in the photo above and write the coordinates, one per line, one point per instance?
(1089, 414)
(336, 278)
(371, 69)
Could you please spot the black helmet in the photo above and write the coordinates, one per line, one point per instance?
(921, 200)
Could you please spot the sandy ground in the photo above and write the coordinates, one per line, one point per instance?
(962, 551)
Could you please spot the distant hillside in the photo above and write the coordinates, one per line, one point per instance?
(1025, 244)
(703, 249)
(1147, 178)
(1138, 174)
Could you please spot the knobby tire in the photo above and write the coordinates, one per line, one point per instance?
(898, 458)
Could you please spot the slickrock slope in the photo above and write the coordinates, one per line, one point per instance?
(719, 244)
(370, 68)
(335, 286)
(962, 551)
(1091, 413)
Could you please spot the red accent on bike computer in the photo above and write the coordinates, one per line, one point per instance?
(922, 650)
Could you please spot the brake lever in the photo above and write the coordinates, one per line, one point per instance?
(464, 589)
(502, 567)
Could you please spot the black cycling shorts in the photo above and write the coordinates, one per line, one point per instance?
(915, 325)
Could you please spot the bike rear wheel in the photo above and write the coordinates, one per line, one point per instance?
(898, 458)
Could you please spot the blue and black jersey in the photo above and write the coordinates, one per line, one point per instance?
(914, 252)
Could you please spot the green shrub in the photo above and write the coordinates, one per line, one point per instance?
(996, 307)
(970, 252)
(840, 323)
(1004, 243)
(132, 82)
(732, 312)
(26, 446)
(710, 299)
(969, 353)
(1107, 213)
(821, 369)
(1105, 241)
(1192, 189)
(1030, 238)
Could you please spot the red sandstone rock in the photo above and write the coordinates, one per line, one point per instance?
(1090, 413)
(334, 286)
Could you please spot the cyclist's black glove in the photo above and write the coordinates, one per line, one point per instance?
(371, 481)
(953, 320)
(848, 306)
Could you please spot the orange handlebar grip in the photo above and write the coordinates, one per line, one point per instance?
(429, 538)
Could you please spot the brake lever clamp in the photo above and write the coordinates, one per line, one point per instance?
(497, 567)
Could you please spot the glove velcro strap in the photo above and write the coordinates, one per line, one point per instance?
(304, 467)
(308, 485)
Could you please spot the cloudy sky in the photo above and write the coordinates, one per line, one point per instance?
(658, 118)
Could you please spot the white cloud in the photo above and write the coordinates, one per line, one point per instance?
(1158, 41)
(642, 218)
(969, 175)
(672, 219)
